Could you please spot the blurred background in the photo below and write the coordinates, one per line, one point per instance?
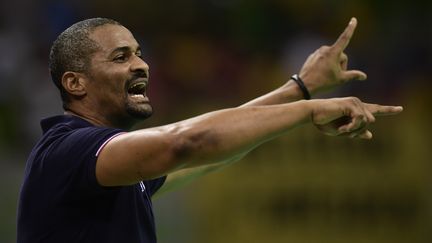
(212, 54)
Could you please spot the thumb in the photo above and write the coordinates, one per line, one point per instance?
(353, 75)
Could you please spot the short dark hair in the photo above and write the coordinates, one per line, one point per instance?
(72, 49)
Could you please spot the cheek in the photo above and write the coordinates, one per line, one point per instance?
(108, 94)
(109, 83)
(115, 94)
(116, 88)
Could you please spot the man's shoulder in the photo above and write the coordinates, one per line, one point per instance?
(72, 136)
(65, 126)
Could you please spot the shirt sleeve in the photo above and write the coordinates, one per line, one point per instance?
(72, 161)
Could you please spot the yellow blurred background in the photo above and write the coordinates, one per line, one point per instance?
(212, 54)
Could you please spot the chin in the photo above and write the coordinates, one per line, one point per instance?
(142, 112)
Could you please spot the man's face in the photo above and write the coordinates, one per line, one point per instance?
(118, 77)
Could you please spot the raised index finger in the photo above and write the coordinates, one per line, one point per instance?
(344, 39)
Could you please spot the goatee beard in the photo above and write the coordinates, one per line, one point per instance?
(139, 112)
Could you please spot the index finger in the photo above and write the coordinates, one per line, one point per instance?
(383, 110)
(344, 39)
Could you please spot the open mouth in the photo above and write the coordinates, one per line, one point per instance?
(137, 90)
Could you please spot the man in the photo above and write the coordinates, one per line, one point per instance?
(88, 180)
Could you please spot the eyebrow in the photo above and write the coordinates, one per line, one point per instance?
(124, 49)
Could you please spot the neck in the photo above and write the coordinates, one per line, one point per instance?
(101, 120)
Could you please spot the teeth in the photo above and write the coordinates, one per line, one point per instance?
(137, 88)
(138, 85)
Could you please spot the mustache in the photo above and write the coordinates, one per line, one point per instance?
(135, 76)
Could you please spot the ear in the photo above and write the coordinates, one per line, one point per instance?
(74, 83)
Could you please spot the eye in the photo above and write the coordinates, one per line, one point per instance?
(139, 54)
(120, 58)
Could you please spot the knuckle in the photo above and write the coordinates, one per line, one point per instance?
(344, 56)
(324, 49)
(353, 99)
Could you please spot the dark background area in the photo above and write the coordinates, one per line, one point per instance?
(209, 54)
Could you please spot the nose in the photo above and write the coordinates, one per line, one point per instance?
(139, 66)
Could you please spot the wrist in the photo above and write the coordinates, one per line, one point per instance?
(308, 108)
(312, 106)
(302, 87)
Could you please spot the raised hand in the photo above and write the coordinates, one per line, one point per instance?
(327, 66)
(348, 116)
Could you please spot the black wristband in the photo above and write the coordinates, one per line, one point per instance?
(302, 86)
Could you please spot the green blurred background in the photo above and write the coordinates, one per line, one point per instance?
(212, 54)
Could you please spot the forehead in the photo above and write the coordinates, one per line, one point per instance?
(111, 36)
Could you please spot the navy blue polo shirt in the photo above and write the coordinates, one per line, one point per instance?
(61, 200)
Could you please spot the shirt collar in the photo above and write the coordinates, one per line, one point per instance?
(69, 120)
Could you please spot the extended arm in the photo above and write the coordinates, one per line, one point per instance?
(206, 139)
(221, 136)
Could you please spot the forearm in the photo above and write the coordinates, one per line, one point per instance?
(213, 137)
(221, 135)
(184, 176)
(287, 93)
